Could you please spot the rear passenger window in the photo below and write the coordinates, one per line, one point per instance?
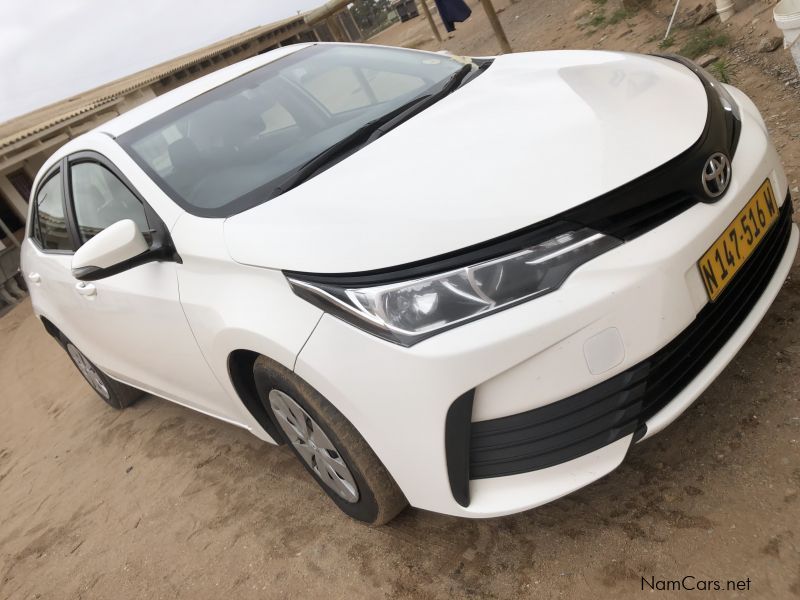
(101, 200)
(49, 225)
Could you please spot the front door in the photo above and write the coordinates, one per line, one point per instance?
(132, 325)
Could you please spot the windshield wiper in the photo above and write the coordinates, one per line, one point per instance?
(351, 141)
(446, 89)
(369, 132)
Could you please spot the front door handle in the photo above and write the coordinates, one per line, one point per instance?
(34, 278)
(86, 289)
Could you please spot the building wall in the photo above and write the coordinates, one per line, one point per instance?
(17, 203)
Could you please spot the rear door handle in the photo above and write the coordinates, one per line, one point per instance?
(34, 277)
(86, 289)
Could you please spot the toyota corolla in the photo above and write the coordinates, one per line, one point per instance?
(468, 285)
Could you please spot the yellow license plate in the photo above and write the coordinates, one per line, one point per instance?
(727, 255)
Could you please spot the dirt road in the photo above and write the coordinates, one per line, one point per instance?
(160, 502)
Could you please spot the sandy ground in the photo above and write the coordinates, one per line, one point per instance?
(160, 502)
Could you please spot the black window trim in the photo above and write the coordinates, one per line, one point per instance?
(161, 247)
(55, 170)
(92, 156)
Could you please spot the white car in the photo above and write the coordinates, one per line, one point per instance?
(465, 284)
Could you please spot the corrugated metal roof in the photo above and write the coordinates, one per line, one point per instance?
(30, 124)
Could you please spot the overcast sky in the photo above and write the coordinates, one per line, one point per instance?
(53, 49)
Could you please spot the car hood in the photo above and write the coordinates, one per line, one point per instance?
(536, 134)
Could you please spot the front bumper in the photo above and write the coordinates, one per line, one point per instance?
(611, 315)
(620, 406)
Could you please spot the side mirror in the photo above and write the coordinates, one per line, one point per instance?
(115, 249)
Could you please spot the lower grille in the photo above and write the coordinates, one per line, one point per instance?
(619, 406)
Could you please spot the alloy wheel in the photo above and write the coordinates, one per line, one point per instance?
(89, 371)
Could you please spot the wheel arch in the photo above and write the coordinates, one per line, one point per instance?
(51, 328)
(240, 371)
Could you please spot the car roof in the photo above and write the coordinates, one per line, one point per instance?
(161, 104)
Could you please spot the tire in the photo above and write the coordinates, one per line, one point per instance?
(117, 395)
(341, 462)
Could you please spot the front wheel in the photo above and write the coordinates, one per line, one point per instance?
(328, 445)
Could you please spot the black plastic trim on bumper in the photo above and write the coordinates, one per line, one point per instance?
(456, 444)
(587, 421)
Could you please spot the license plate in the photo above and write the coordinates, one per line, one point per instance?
(727, 255)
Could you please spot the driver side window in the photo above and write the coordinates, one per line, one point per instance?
(101, 200)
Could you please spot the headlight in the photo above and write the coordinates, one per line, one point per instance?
(411, 310)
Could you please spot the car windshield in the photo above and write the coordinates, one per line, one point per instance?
(226, 150)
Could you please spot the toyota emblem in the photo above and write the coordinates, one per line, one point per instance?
(716, 175)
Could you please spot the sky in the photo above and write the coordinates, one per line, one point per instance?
(53, 49)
